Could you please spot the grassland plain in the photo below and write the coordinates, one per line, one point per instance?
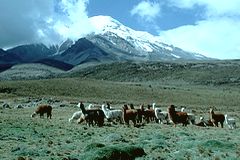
(22, 136)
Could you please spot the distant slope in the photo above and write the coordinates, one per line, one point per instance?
(30, 71)
(203, 73)
(177, 73)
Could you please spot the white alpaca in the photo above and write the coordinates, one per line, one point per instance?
(230, 122)
(112, 114)
(90, 106)
(160, 115)
(203, 121)
(75, 116)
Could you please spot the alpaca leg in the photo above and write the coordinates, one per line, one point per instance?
(193, 121)
(234, 125)
(134, 122)
(221, 124)
(49, 115)
(127, 122)
(120, 120)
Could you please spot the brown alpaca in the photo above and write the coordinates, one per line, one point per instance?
(215, 118)
(43, 109)
(129, 114)
(177, 117)
(149, 114)
(140, 114)
(91, 116)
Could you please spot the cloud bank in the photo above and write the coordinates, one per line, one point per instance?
(48, 21)
(216, 36)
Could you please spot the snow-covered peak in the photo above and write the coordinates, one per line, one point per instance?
(105, 24)
(142, 40)
(102, 23)
(144, 43)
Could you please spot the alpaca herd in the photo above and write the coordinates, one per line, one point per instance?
(94, 115)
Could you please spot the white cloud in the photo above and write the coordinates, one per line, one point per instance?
(213, 7)
(48, 21)
(217, 38)
(147, 10)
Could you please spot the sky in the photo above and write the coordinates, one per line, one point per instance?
(208, 27)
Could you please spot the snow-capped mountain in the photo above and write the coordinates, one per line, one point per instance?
(111, 42)
(136, 43)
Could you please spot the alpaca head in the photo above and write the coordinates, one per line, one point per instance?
(211, 111)
(131, 106)
(171, 109)
(141, 107)
(226, 116)
(125, 107)
(90, 106)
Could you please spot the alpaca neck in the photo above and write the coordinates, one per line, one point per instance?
(104, 108)
(124, 111)
(83, 109)
(153, 105)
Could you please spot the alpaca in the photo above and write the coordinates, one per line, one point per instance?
(177, 117)
(112, 114)
(191, 116)
(140, 114)
(149, 114)
(93, 115)
(90, 106)
(43, 109)
(75, 116)
(215, 118)
(129, 114)
(204, 123)
(230, 122)
(160, 115)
